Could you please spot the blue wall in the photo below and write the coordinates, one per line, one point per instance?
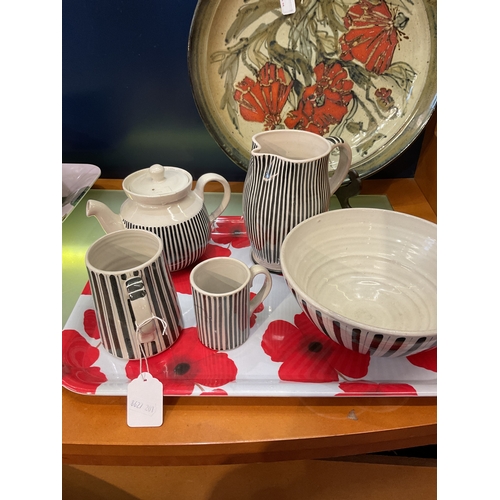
(127, 100)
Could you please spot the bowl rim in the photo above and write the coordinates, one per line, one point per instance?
(344, 319)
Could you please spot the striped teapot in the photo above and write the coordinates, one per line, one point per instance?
(288, 181)
(161, 199)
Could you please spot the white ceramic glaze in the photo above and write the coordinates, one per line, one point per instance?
(367, 278)
(222, 303)
(161, 200)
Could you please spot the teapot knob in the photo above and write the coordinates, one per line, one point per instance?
(157, 172)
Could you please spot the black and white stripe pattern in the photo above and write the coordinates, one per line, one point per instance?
(115, 317)
(278, 194)
(334, 140)
(223, 321)
(364, 341)
(184, 243)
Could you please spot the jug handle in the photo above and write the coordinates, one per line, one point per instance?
(200, 186)
(345, 161)
(264, 289)
(142, 311)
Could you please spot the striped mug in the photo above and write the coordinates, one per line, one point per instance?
(137, 308)
(222, 303)
(287, 182)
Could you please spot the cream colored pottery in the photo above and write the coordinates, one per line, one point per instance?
(161, 200)
(367, 278)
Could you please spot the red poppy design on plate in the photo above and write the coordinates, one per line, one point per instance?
(325, 103)
(384, 98)
(425, 359)
(86, 289)
(78, 356)
(308, 355)
(181, 278)
(186, 364)
(231, 232)
(373, 34)
(262, 100)
(361, 388)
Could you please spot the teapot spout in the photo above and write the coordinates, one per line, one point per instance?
(109, 221)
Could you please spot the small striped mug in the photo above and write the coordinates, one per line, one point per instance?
(222, 304)
(137, 309)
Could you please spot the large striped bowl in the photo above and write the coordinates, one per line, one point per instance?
(367, 278)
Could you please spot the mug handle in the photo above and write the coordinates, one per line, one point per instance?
(264, 290)
(345, 161)
(200, 186)
(142, 311)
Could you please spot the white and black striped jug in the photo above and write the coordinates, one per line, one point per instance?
(287, 182)
(136, 304)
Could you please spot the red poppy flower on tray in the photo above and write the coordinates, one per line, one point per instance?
(186, 364)
(215, 392)
(90, 324)
(308, 355)
(361, 388)
(231, 232)
(78, 356)
(258, 309)
(181, 278)
(425, 359)
(262, 100)
(324, 103)
(373, 34)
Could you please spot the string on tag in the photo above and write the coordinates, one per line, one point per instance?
(140, 361)
(141, 346)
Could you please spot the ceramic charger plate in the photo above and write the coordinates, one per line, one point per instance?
(364, 70)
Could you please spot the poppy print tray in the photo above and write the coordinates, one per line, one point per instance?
(286, 355)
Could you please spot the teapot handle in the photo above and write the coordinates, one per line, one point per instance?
(345, 161)
(200, 186)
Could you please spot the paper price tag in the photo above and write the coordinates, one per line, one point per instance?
(287, 7)
(145, 402)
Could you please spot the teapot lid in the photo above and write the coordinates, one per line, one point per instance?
(158, 185)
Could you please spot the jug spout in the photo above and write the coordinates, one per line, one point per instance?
(109, 221)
